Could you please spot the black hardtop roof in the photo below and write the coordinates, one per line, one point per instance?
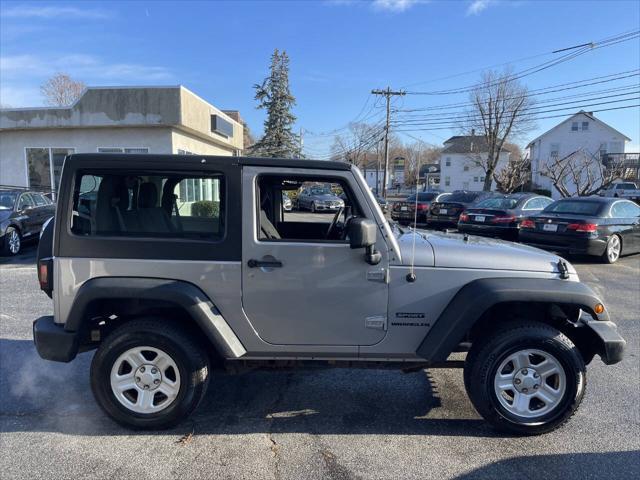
(130, 160)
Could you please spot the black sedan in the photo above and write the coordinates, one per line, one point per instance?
(405, 211)
(22, 214)
(604, 227)
(446, 213)
(501, 216)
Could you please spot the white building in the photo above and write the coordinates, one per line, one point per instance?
(35, 141)
(582, 134)
(461, 163)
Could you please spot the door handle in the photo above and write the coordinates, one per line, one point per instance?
(264, 263)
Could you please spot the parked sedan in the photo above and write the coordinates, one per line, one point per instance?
(446, 213)
(604, 227)
(501, 216)
(22, 214)
(404, 211)
(319, 199)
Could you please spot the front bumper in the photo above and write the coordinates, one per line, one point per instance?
(604, 338)
(327, 208)
(53, 342)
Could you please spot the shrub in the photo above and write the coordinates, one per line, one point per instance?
(205, 208)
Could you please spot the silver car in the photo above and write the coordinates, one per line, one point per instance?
(170, 289)
(319, 199)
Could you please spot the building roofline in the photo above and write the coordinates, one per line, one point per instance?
(102, 87)
(581, 112)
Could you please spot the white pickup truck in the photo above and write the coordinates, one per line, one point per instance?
(628, 190)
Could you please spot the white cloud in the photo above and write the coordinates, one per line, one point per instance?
(87, 68)
(394, 5)
(477, 6)
(22, 75)
(48, 12)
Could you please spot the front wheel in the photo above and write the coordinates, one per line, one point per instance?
(313, 207)
(525, 379)
(149, 374)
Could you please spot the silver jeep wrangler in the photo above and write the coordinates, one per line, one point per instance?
(174, 267)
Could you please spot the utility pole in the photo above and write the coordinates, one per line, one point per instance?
(388, 93)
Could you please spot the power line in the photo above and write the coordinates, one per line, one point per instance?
(510, 62)
(543, 91)
(528, 111)
(538, 118)
(543, 66)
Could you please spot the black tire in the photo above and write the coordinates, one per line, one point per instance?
(188, 354)
(605, 258)
(6, 248)
(313, 207)
(487, 354)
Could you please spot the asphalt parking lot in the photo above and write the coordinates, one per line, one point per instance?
(328, 424)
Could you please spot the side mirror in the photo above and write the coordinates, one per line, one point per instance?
(362, 234)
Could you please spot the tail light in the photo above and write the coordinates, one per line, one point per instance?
(45, 275)
(503, 219)
(527, 224)
(464, 217)
(423, 206)
(582, 227)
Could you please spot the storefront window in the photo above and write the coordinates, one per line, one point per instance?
(39, 168)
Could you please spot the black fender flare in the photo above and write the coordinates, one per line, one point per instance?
(186, 295)
(476, 297)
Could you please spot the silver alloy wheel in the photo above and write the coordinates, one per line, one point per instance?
(14, 242)
(145, 379)
(530, 383)
(613, 248)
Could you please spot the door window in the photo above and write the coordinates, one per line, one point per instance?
(537, 203)
(328, 205)
(38, 199)
(25, 201)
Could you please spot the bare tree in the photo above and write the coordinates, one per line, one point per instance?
(515, 173)
(498, 115)
(582, 173)
(356, 145)
(61, 90)
(416, 155)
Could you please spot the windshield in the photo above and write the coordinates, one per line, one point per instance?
(321, 191)
(574, 207)
(626, 186)
(463, 197)
(7, 200)
(503, 203)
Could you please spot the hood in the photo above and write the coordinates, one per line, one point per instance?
(327, 197)
(451, 250)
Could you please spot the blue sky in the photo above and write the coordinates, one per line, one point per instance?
(339, 51)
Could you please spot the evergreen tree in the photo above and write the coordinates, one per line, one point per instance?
(275, 97)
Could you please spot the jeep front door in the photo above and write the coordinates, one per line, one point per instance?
(298, 287)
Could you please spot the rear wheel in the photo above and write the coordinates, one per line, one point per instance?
(613, 250)
(527, 378)
(149, 374)
(12, 241)
(313, 207)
